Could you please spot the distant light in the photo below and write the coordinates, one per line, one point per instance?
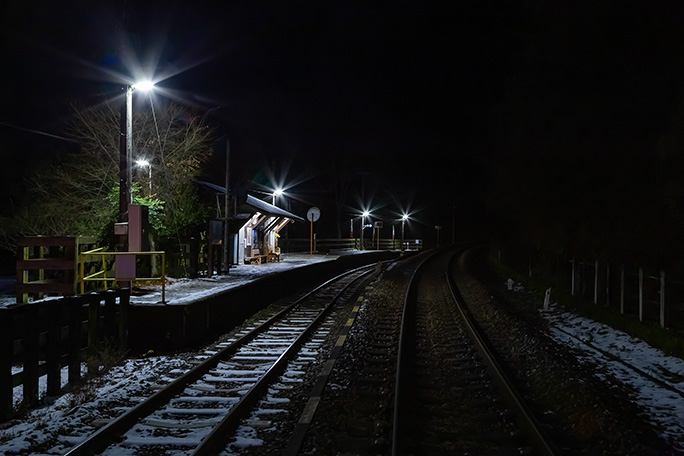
(142, 163)
(143, 85)
(404, 217)
(278, 191)
(365, 213)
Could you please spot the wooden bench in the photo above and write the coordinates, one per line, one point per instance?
(256, 258)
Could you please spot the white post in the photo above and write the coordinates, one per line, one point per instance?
(662, 298)
(622, 289)
(641, 293)
(547, 298)
(572, 284)
(596, 274)
(607, 284)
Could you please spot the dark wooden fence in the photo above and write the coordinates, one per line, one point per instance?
(39, 339)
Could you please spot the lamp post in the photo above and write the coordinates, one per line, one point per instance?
(363, 225)
(277, 192)
(142, 164)
(126, 148)
(403, 220)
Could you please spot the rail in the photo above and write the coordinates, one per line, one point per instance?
(525, 418)
(101, 275)
(215, 439)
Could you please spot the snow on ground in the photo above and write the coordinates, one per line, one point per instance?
(73, 414)
(617, 354)
(607, 349)
(183, 291)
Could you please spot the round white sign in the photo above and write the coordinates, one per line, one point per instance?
(314, 214)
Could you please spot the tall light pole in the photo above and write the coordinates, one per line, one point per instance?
(126, 148)
(363, 225)
(403, 220)
(277, 192)
(143, 163)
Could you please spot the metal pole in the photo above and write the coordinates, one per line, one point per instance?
(363, 223)
(129, 141)
(402, 234)
(662, 298)
(226, 233)
(123, 163)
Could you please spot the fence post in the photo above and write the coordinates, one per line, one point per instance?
(608, 284)
(53, 349)
(622, 289)
(641, 293)
(93, 325)
(6, 355)
(572, 280)
(662, 298)
(110, 331)
(74, 343)
(596, 277)
(124, 301)
(30, 343)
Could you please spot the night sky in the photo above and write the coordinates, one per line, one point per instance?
(428, 107)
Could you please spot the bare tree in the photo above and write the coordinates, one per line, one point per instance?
(79, 195)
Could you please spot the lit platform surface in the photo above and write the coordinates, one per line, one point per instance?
(186, 291)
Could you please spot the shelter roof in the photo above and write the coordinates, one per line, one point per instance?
(252, 204)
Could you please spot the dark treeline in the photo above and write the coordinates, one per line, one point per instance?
(589, 152)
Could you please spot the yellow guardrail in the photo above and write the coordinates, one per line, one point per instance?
(101, 276)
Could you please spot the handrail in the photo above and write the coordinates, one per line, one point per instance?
(100, 276)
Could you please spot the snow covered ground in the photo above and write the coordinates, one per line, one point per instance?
(617, 355)
(182, 291)
(610, 351)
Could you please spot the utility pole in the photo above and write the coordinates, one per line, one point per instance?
(226, 234)
(123, 165)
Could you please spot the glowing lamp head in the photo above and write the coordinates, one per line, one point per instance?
(278, 192)
(143, 86)
(404, 217)
(365, 213)
(142, 163)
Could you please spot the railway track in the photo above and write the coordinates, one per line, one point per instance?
(198, 412)
(422, 380)
(452, 392)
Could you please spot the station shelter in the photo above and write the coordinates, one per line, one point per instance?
(259, 224)
(253, 227)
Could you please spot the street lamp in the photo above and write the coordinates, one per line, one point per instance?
(142, 163)
(126, 148)
(403, 220)
(277, 192)
(363, 225)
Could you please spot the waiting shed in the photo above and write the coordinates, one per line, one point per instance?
(254, 227)
(258, 235)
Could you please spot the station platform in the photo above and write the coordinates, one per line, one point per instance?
(185, 291)
(196, 311)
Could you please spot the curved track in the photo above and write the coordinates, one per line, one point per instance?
(452, 393)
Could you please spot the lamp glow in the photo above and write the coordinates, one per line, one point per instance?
(143, 85)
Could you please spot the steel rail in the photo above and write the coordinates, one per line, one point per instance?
(404, 334)
(525, 418)
(108, 434)
(216, 440)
